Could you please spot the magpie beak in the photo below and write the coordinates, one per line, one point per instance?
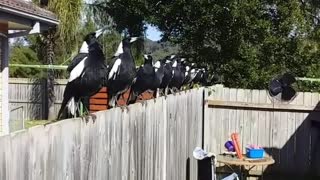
(100, 31)
(133, 39)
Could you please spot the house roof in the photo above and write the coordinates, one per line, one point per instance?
(28, 8)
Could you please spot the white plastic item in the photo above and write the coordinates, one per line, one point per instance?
(232, 176)
(200, 154)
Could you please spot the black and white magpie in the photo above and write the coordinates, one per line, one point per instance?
(82, 55)
(198, 77)
(178, 75)
(87, 77)
(159, 74)
(123, 71)
(189, 74)
(167, 73)
(204, 81)
(144, 79)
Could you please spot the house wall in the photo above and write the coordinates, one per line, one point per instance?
(4, 81)
(4, 30)
(4, 89)
(1, 129)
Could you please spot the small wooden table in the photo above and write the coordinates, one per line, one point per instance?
(229, 161)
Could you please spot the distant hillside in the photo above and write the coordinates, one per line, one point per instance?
(159, 50)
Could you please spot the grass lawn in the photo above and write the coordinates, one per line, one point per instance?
(31, 123)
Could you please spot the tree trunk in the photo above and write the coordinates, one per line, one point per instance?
(49, 56)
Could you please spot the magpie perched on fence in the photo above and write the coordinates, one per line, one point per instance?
(123, 71)
(87, 77)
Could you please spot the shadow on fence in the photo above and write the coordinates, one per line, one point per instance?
(302, 148)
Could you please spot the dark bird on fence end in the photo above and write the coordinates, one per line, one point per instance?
(167, 74)
(178, 75)
(144, 79)
(87, 77)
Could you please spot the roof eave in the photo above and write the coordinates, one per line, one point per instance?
(46, 20)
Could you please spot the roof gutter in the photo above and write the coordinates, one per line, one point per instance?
(35, 17)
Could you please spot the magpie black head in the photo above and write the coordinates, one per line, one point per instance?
(127, 40)
(90, 38)
(91, 43)
(148, 59)
(124, 44)
(184, 61)
(163, 61)
(167, 57)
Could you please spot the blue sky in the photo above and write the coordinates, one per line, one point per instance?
(153, 33)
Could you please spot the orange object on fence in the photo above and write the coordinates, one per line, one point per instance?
(99, 101)
(236, 142)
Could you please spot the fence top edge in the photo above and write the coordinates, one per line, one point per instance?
(32, 81)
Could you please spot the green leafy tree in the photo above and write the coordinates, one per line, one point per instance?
(125, 17)
(246, 42)
(23, 55)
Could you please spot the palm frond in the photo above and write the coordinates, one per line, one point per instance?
(69, 13)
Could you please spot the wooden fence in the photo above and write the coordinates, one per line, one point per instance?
(152, 141)
(31, 95)
(288, 131)
(27, 100)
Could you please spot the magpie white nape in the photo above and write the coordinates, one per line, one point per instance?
(157, 65)
(175, 64)
(84, 47)
(145, 56)
(115, 69)
(120, 47)
(119, 50)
